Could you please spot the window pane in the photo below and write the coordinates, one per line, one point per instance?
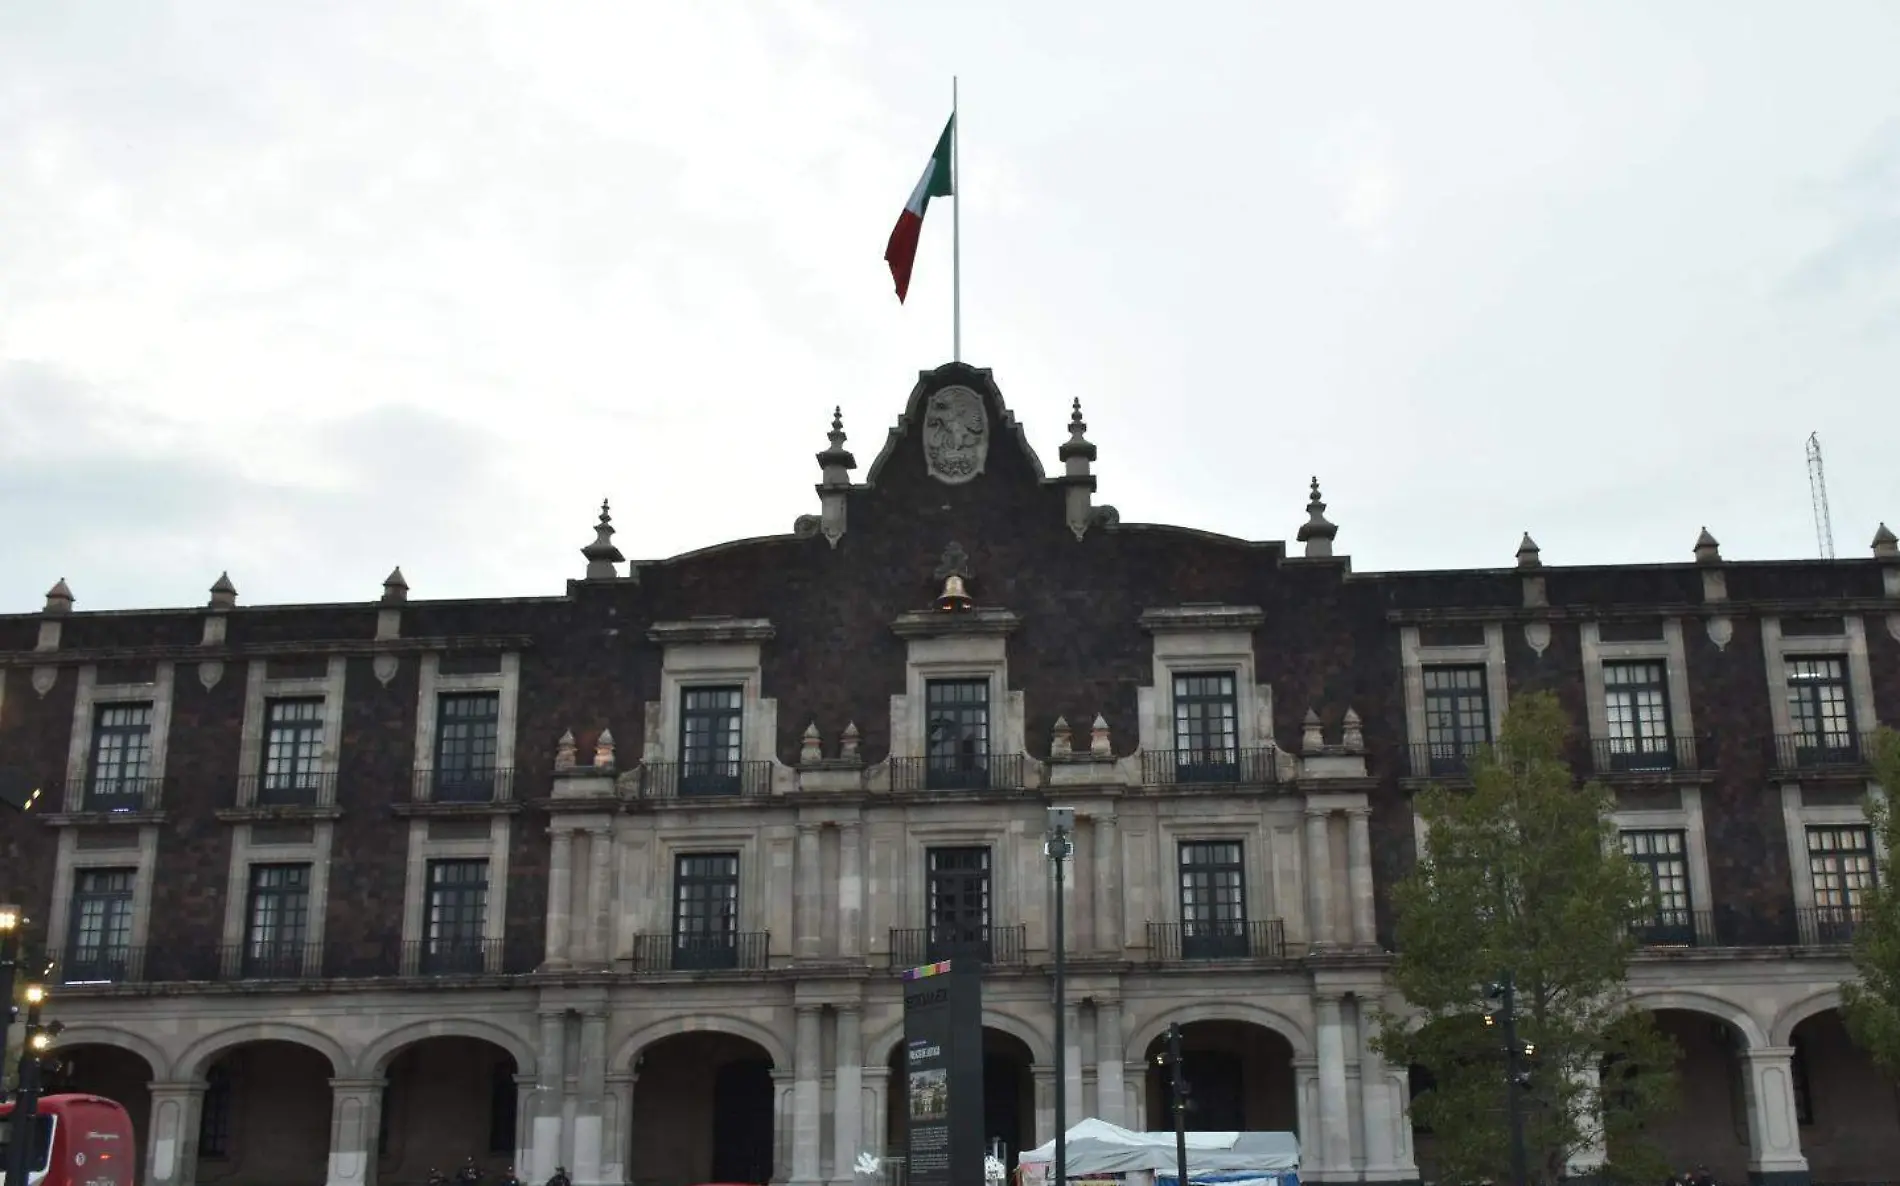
(468, 734)
(121, 745)
(1841, 863)
(958, 712)
(711, 730)
(1206, 717)
(293, 742)
(1457, 712)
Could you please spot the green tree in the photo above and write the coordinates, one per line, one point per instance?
(1523, 873)
(1872, 1002)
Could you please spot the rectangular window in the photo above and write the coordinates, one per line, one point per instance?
(1819, 710)
(1457, 716)
(957, 747)
(121, 757)
(468, 731)
(101, 943)
(293, 744)
(214, 1117)
(706, 910)
(712, 740)
(1206, 727)
(1213, 900)
(277, 925)
(959, 902)
(457, 917)
(1636, 699)
(1662, 854)
(1841, 864)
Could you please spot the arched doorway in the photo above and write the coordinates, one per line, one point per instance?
(446, 1100)
(265, 1119)
(703, 1110)
(1239, 1075)
(1844, 1105)
(1709, 1126)
(1009, 1096)
(113, 1072)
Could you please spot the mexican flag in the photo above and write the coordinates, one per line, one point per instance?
(937, 182)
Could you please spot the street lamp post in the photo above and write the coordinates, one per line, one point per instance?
(26, 1098)
(1504, 992)
(1059, 846)
(9, 964)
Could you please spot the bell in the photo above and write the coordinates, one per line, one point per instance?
(953, 596)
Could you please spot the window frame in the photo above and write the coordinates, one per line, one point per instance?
(1835, 921)
(1200, 755)
(467, 780)
(947, 933)
(124, 790)
(1634, 743)
(956, 766)
(214, 1114)
(1807, 695)
(124, 920)
(292, 777)
(277, 955)
(711, 759)
(708, 946)
(1669, 925)
(1449, 756)
(1225, 933)
(453, 952)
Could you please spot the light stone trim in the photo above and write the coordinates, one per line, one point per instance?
(1688, 820)
(1416, 657)
(1777, 649)
(754, 882)
(1797, 817)
(1253, 827)
(432, 684)
(956, 656)
(140, 854)
(1021, 885)
(246, 853)
(1669, 649)
(259, 690)
(493, 848)
(90, 695)
(1179, 650)
(689, 664)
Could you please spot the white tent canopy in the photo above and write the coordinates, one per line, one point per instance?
(1098, 1147)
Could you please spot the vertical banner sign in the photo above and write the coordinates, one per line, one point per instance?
(943, 1074)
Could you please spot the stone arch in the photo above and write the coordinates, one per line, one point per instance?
(721, 1023)
(1141, 1036)
(1744, 1023)
(1781, 1033)
(111, 1035)
(192, 1065)
(877, 1051)
(375, 1059)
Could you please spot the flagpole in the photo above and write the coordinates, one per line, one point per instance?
(956, 227)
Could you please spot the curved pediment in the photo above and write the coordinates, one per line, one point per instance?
(958, 422)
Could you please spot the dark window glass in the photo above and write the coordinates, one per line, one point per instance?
(1818, 704)
(39, 1152)
(467, 736)
(712, 739)
(1841, 862)
(1206, 725)
(1636, 696)
(705, 909)
(293, 744)
(958, 884)
(457, 912)
(1662, 854)
(214, 1118)
(958, 740)
(101, 924)
(1457, 711)
(121, 751)
(1213, 900)
(278, 920)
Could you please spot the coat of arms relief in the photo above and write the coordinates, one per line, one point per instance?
(956, 435)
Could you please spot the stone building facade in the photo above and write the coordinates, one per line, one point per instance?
(619, 879)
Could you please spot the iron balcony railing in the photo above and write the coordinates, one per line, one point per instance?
(113, 793)
(992, 945)
(270, 960)
(1819, 751)
(1212, 767)
(102, 964)
(1649, 755)
(1678, 928)
(705, 780)
(733, 951)
(300, 789)
(1442, 759)
(456, 785)
(451, 957)
(958, 772)
(1217, 939)
(1827, 926)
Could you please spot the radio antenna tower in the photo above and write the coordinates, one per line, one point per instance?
(1817, 490)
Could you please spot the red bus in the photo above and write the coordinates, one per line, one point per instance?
(80, 1140)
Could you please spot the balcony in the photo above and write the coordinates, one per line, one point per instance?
(1650, 755)
(270, 960)
(107, 964)
(1678, 928)
(705, 780)
(1220, 939)
(1442, 759)
(1212, 768)
(451, 957)
(1827, 926)
(301, 789)
(465, 786)
(106, 793)
(1817, 752)
(958, 772)
(737, 951)
(994, 946)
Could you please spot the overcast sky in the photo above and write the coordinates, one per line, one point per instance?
(307, 290)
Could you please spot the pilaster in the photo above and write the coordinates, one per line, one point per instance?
(1075, 1108)
(560, 895)
(847, 1109)
(1774, 1138)
(1359, 875)
(1335, 1109)
(549, 1130)
(851, 892)
(1319, 877)
(1044, 1077)
(807, 1090)
(1111, 1064)
(356, 1107)
(589, 1118)
(806, 892)
(1108, 886)
(616, 1122)
(600, 849)
(171, 1156)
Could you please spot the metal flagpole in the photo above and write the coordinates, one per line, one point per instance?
(956, 227)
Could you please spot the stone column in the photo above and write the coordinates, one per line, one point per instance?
(1111, 1064)
(616, 1125)
(1335, 1111)
(1044, 1077)
(851, 891)
(1774, 1139)
(1359, 876)
(589, 1139)
(782, 1090)
(1108, 886)
(171, 1154)
(1382, 1111)
(356, 1107)
(847, 1107)
(600, 851)
(1319, 878)
(1592, 1151)
(560, 895)
(527, 1099)
(553, 1094)
(805, 892)
(878, 1121)
(1073, 1104)
(807, 1093)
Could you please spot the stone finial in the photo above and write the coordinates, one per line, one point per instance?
(810, 749)
(1076, 452)
(565, 757)
(1061, 740)
(604, 748)
(1353, 738)
(1316, 533)
(1527, 553)
(848, 743)
(223, 592)
(1099, 746)
(1886, 545)
(1707, 551)
(1312, 739)
(59, 599)
(601, 555)
(837, 461)
(395, 588)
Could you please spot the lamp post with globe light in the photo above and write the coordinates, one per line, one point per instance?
(1059, 846)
